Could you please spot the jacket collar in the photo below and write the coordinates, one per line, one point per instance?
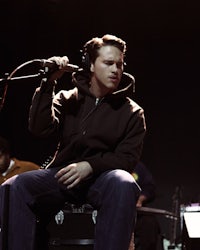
(126, 87)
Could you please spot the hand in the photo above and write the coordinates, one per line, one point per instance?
(141, 200)
(62, 63)
(74, 173)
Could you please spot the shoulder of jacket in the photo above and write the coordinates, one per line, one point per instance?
(66, 94)
(134, 105)
(22, 164)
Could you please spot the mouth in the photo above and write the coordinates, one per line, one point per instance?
(114, 78)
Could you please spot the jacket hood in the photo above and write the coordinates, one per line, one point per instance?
(126, 86)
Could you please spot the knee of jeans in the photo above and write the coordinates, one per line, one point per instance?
(122, 176)
(125, 181)
(16, 182)
(10, 181)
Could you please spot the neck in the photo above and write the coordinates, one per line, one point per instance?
(97, 91)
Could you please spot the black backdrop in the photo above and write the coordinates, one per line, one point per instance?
(163, 55)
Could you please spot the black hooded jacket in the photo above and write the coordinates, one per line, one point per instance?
(106, 132)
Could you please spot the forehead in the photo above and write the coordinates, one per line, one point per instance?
(110, 52)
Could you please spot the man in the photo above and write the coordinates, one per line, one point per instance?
(101, 131)
(12, 166)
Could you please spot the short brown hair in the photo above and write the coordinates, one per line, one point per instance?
(91, 47)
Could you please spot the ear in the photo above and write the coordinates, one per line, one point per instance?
(91, 67)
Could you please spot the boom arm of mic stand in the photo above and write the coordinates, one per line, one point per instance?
(9, 77)
(4, 82)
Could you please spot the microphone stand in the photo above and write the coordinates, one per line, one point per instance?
(9, 78)
(5, 80)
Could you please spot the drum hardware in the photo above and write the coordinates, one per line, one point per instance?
(79, 209)
(69, 242)
(175, 223)
(74, 209)
(149, 210)
(72, 228)
(87, 209)
(59, 217)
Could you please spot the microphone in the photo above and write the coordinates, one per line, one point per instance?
(51, 65)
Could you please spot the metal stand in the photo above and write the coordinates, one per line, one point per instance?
(9, 77)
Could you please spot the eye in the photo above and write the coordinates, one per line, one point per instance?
(109, 62)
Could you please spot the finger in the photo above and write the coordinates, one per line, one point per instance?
(61, 172)
(73, 184)
(68, 181)
(67, 178)
(68, 175)
(62, 62)
(65, 59)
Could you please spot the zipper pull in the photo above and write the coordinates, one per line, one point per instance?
(97, 101)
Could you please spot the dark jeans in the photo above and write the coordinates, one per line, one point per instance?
(35, 196)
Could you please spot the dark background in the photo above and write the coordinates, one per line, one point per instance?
(163, 55)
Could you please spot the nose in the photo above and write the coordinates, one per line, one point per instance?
(114, 67)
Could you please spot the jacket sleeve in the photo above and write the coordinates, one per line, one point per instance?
(43, 116)
(128, 151)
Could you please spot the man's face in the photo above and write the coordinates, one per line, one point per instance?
(107, 70)
(4, 162)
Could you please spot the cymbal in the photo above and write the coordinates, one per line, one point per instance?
(149, 210)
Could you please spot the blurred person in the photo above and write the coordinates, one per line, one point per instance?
(10, 166)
